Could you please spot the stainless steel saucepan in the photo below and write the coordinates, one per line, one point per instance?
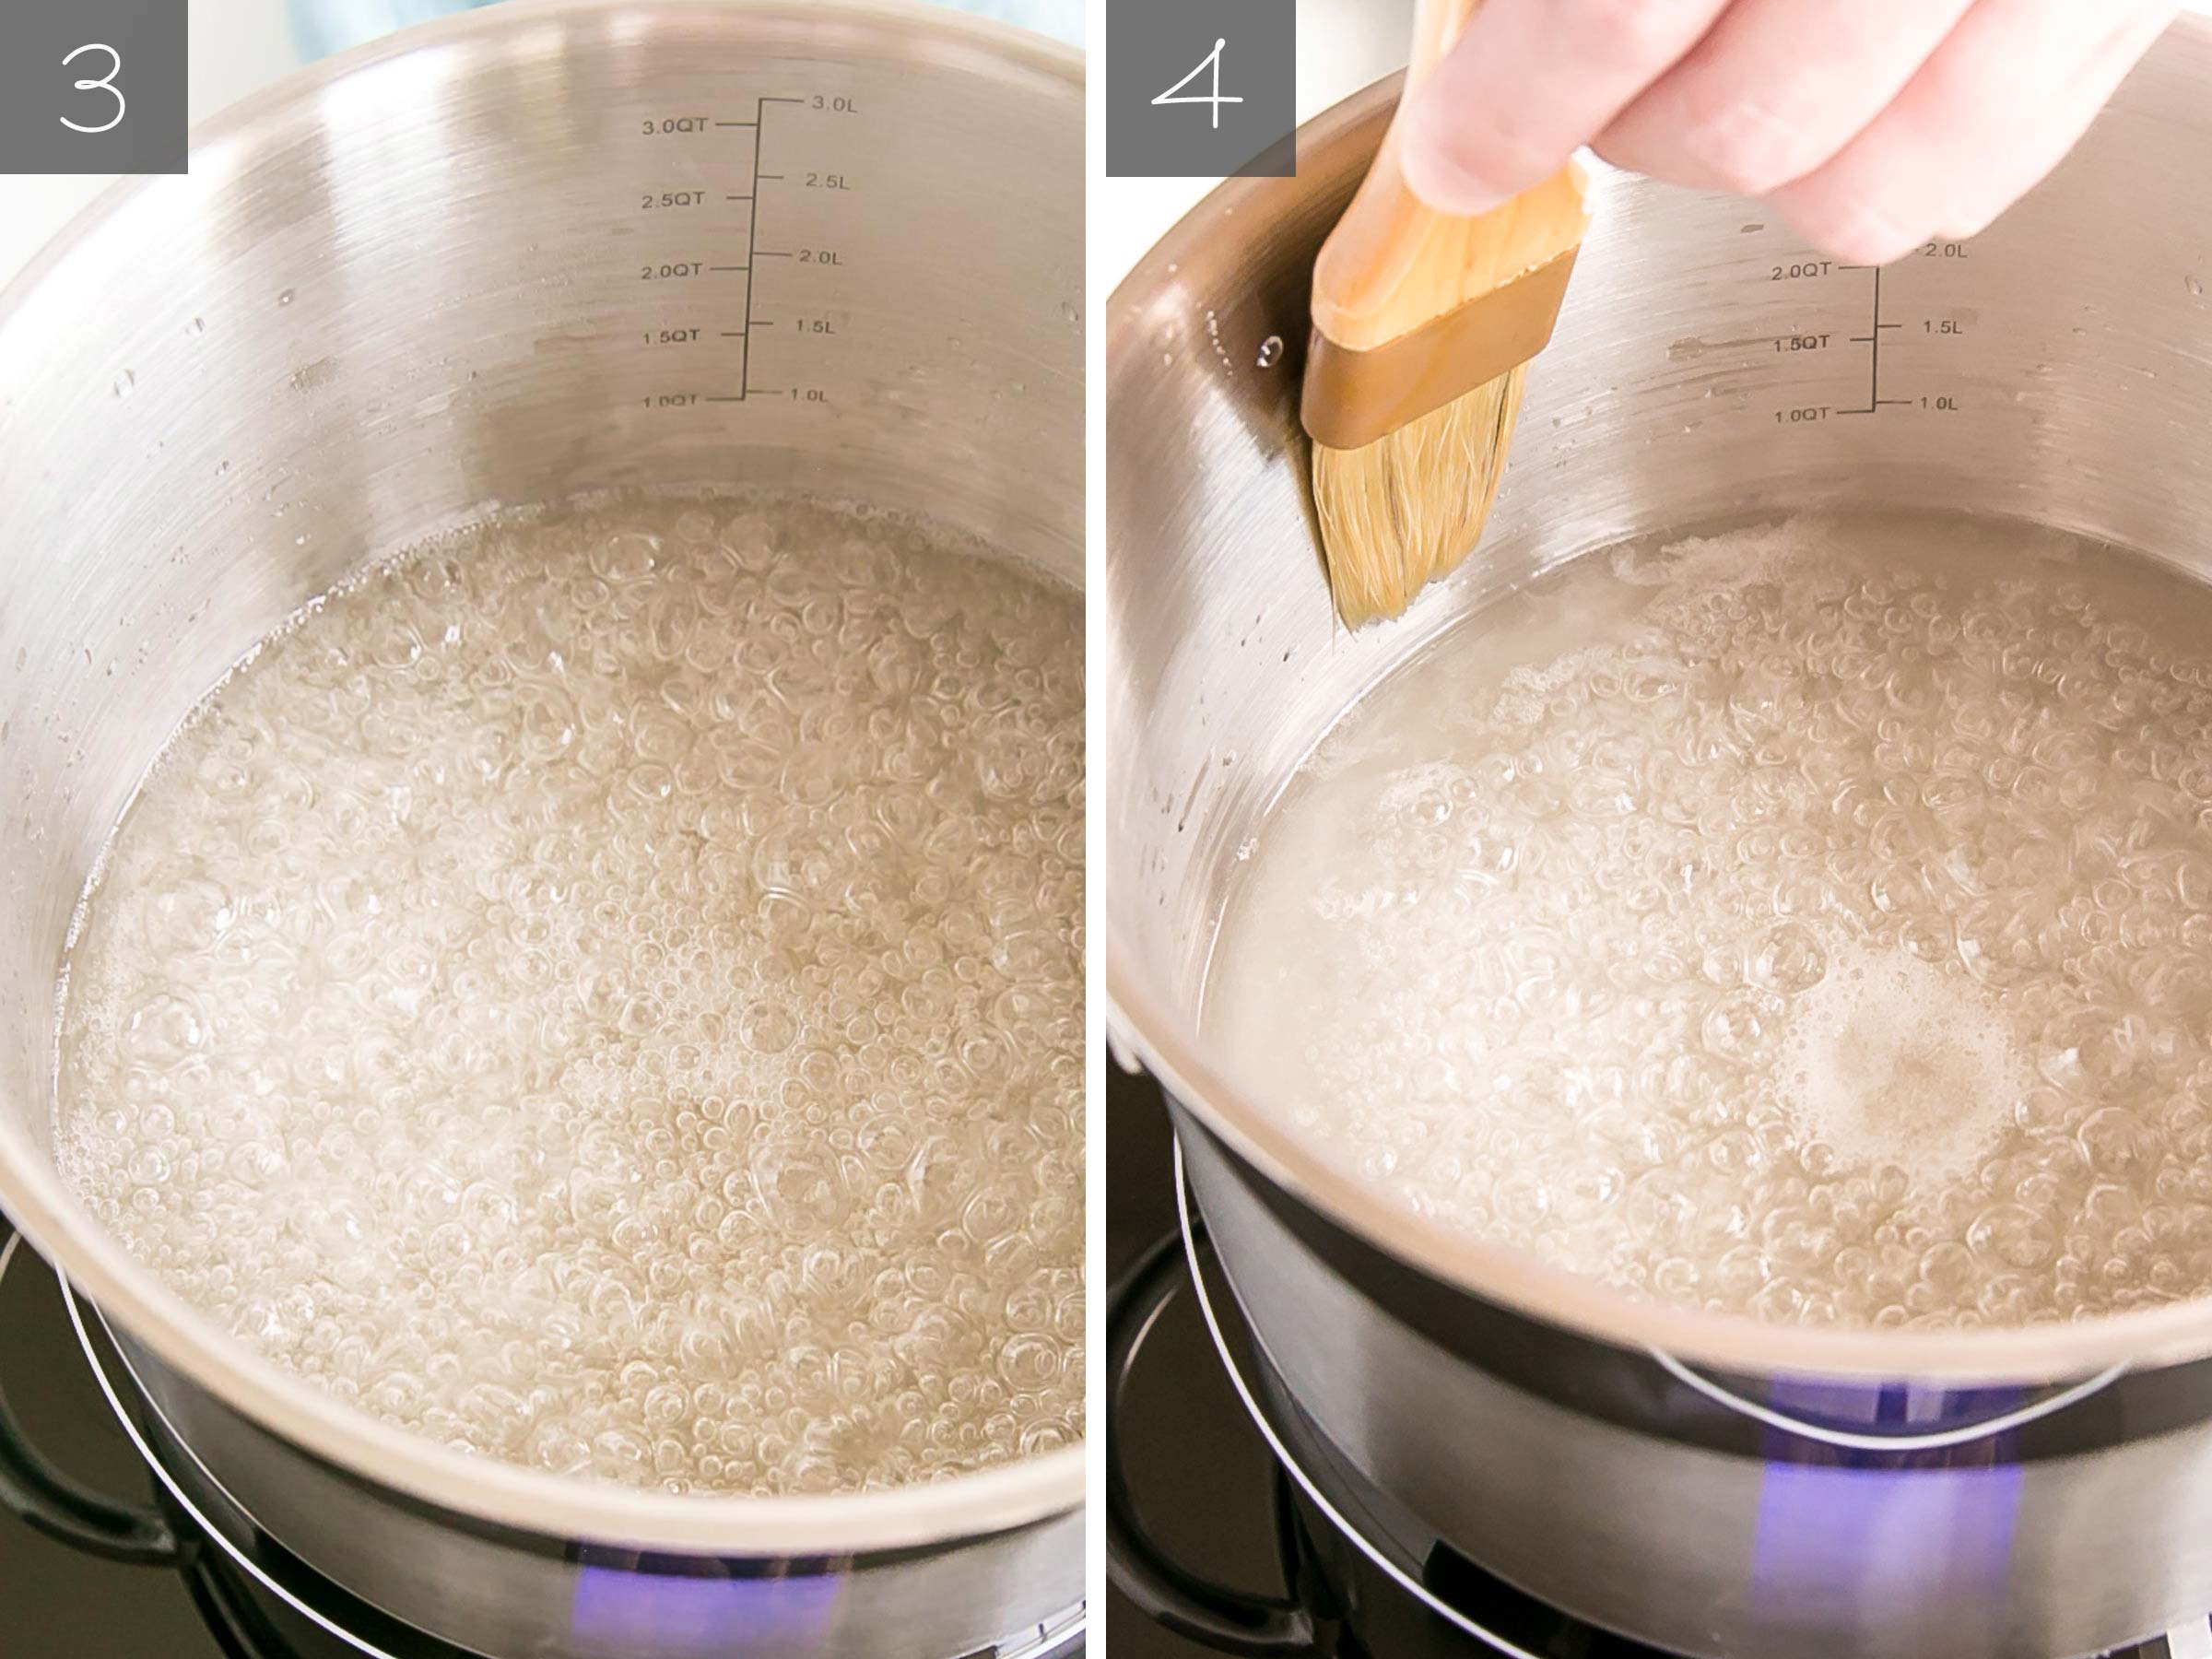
(1707, 1485)
(525, 253)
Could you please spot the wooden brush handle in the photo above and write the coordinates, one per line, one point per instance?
(1394, 263)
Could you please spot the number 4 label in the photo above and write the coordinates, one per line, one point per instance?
(1210, 62)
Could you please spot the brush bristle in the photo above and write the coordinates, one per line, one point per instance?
(1408, 507)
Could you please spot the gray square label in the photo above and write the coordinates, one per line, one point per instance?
(1201, 89)
(92, 86)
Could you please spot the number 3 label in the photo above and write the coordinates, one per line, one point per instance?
(1212, 61)
(106, 83)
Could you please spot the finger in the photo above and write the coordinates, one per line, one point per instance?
(1776, 88)
(2043, 142)
(1529, 82)
(1995, 108)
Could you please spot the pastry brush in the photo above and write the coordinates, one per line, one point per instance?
(1423, 325)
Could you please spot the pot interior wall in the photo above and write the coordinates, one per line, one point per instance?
(423, 288)
(2056, 369)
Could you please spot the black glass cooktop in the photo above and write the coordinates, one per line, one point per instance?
(56, 1602)
(1198, 1470)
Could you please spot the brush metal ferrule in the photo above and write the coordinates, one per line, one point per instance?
(1354, 398)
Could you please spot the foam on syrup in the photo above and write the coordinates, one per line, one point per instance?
(1890, 1060)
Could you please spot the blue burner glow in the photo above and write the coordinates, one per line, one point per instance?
(1835, 1541)
(727, 1618)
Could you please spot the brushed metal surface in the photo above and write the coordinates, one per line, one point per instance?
(2069, 391)
(404, 288)
(2079, 384)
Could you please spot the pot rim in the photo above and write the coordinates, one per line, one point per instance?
(946, 1510)
(1155, 1032)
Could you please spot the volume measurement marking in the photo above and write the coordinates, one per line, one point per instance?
(752, 242)
(1878, 324)
(1873, 342)
(658, 202)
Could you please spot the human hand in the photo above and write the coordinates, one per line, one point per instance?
(1869, 125)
